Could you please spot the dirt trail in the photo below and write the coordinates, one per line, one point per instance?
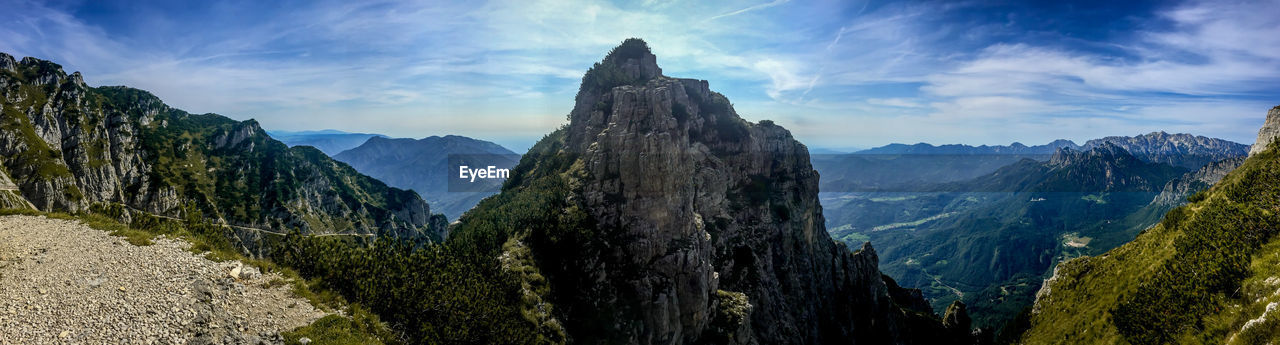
(63, 282)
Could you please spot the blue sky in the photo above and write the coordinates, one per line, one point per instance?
(836, 73)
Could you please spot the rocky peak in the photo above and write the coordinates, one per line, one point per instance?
(692, 204)
(1270, 130)
(8, 63)
(635, 59)
(1105, 151)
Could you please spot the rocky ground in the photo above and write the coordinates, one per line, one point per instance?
(63, 282)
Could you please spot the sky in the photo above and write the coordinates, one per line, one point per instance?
(838, 74)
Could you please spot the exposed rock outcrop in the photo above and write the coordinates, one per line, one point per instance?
(1269, 131)
(69, 147)
(1176, 191)
(694, 206)
(1180, 150)
(10, 197)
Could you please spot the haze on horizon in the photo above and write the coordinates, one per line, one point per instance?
(837, 74)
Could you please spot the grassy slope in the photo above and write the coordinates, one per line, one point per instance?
(1197, 277)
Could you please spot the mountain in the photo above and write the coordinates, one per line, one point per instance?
(329, 141)
(913, 168)
(960, 149)
(657, 215)
(1181, 150)
(423, 166)
(858, 172)
(907, 168)
(1175, 192)
(989, 241)
(1206, 273)
(75, 148)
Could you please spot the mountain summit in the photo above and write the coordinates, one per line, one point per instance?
(670, 220)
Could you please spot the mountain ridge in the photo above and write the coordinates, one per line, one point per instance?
(75, 148)
(329, 141)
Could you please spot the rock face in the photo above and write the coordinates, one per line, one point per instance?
(421, 165)
(1268, 133)
(10, 197)
(698, 211)
(70, 147)
(1180, 150)
(1176, 191)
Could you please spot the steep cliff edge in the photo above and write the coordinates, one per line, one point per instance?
(71, 147)
(1269, 132)
(674, 221)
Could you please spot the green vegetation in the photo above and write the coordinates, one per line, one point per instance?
(361, 328)
(991, 241)
(1200, 276)
(479, 287)
(606, 75)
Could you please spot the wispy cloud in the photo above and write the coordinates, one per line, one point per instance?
(836, 73)
(749, 9)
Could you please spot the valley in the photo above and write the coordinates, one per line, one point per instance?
(990, 240)
(657, 204)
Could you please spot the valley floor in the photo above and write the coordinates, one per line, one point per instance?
(64, 282)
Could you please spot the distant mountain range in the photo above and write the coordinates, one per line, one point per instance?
(901, 167)
(329, 141)
(1181, 150)
(422, 165)
(960, 149)
(988, 222)
(1184, 150)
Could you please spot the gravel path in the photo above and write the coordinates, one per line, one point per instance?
(64, 283)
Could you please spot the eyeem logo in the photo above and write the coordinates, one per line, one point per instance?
(479, 172)
(482, 173)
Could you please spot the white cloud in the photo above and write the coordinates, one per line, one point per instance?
(823, 75)
(895, 102)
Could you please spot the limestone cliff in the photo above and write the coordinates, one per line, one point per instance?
(10, 197)
(1269, 132)
(70, 147)
(1181, 150)
(1175, 192)
(703, 227)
